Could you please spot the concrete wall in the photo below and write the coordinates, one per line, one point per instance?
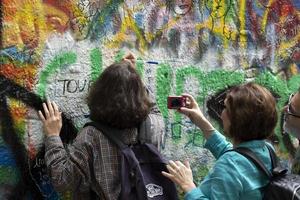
(55, 49)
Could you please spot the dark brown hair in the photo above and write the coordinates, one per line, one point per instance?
(252, 112)
(118, 98)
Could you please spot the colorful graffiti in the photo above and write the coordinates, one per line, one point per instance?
(55, 49)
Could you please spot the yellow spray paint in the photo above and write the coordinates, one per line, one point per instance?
(128, 25)
(242, 20)
(265, 17)
(284, 49)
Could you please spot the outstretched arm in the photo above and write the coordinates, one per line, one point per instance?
(65, 169)
(193, 112)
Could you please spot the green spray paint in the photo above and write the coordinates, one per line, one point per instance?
(20, 128)
(96, 62)
(294, 83)
(279, 87)
(219, 79)
(12, 179)
(119, 55)
(181, 75)
(283, 89)
(210, 82)
(163, 87)
(59, 61)
(274, 84)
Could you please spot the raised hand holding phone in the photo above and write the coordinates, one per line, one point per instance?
(187, 105)
(176, 102)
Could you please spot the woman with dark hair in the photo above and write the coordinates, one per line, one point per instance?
(249, 117)
(117, 99)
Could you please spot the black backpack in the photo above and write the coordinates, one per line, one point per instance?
(282, 186)
(141, 167)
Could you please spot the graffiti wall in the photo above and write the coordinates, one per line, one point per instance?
(55, 49)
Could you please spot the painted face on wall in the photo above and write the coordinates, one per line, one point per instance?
(291, 123)
(182, 7)
(225, 117)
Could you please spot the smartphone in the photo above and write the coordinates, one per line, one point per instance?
(175, 102)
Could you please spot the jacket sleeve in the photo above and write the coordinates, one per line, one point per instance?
(223, 182)
(68, 168)
(217, 144)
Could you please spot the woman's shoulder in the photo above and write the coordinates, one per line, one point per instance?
(89, 133)
(236, 160)
(230, 157)
(232, 161)
(232, 166)
(228, 168)
(127, 136)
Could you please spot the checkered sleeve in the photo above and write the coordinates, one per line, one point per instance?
(68, 169)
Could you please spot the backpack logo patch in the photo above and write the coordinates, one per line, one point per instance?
(154, 190)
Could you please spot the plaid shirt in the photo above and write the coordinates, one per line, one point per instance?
(296, 162)
(92, 162)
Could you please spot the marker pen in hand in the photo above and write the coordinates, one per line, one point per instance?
(152, 62)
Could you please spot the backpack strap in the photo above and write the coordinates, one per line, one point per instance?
(112, 134)
(277, 170)
(273, 156)
(250, 155)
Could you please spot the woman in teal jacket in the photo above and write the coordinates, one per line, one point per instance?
(249, 117)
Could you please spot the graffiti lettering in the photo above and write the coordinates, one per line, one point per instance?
(38, 162)
(71, 86)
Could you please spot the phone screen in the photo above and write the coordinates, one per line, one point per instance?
(176, 102)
